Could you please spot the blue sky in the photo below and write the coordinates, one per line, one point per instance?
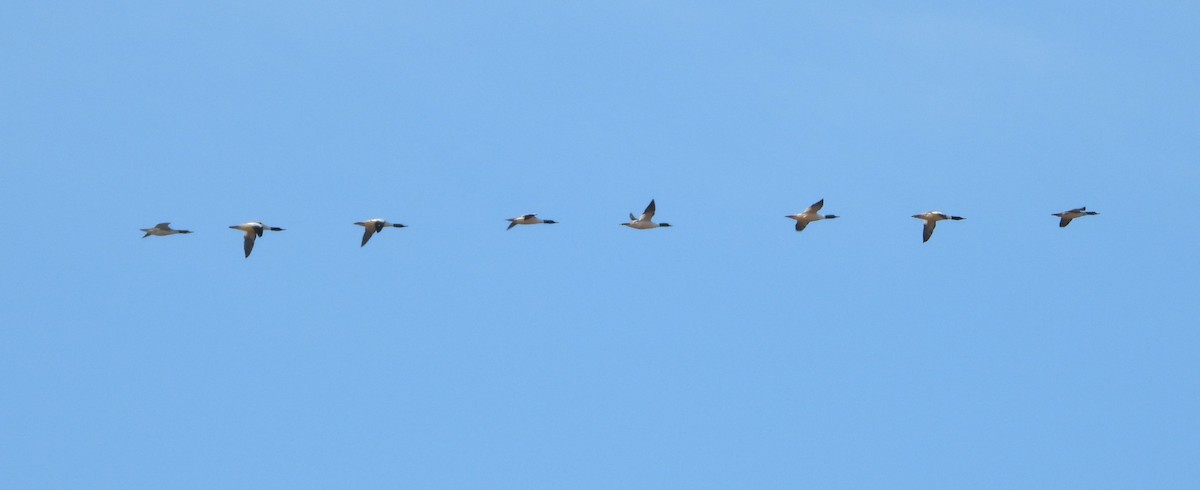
(725, 352)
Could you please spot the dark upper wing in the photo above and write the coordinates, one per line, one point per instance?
(928, 230)
(378, 226)
(816, 206)
(511, 224)
(649, 212)
(1063, 222)
(800, 225)
(248, 244)
(367, 232)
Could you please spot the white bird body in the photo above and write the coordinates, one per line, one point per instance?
(644, 222)
(528, 219)
(931, 218)
(252, 230)
(162, 229)
(811, 214)
(374, 225)
(1065, 217)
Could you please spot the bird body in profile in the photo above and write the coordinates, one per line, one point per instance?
(1065, 217)
(931, 218)
(644, 221)
(528, 219)
(252, 230)
(373, 226)
(163, 229)
(811, 214)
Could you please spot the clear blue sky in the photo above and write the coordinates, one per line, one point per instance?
(726, 352)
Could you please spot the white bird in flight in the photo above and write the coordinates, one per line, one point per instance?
(931, 218)
(643, 222)
(1067, 216)
(162, 229)
(528, 219)
(811, 214)
(252, 230)
(374, 225)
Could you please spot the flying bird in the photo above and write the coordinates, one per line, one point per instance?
(162, 229)
(809, 215)
(374, 225)
(528, 219)
(1067, 216)
(931, 218)
(643, 222)
(252, 230)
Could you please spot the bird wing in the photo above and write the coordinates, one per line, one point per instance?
(248, 243)
(163, 226)
(1063, 222)
(929, 225)
(511, 224)
(367, 232)
(800, 224)
(378, 226)
(649, 212)
(815, 207)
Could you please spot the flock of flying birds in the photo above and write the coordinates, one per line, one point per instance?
(255, 229)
